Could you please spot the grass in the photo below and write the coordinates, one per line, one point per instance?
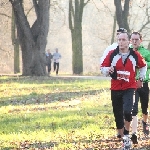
(53, 109)
(54, 113)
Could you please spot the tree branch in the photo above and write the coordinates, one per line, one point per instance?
(148, 20)
(29, 11)
(5, 15)
(107, 7)
(86, 2)
(36, 7)
(143, 26)
(22, 24)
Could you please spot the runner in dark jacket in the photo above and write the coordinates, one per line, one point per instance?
(49, 57)
(143, 92)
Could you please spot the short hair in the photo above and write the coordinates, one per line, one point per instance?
(121, 30)
(137, 33)
(127, 34)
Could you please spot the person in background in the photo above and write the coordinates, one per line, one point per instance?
(121, 64)
(48, 61)
(141, 93)
(113, 46)
(56, 58)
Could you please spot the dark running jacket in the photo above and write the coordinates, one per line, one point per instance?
(124, 73)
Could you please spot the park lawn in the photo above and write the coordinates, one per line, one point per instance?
(61, 113)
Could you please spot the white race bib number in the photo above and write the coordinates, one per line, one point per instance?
(123, 75)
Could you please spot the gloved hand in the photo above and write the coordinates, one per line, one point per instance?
(113, 72)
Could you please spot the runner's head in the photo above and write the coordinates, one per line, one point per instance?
(136, 39)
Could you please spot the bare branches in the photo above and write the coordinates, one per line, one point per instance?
(144, 25)
(29, 11)
(86, 2)
(2, 14)
(3, 3)
(146, 20)
(106, 7)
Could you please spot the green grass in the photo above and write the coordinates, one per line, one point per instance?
(54, 112)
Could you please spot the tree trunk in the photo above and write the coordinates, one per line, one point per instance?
(114, 31)
(119, 13)
(122, 14)
(15, 43)
(125, 15)
(77, 58)
(27, 48)
(16, 58)
(75, 25)
(32, 40)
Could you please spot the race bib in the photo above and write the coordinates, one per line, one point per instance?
(123, 75)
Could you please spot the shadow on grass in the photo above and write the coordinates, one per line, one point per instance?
(56, 86)
(39, 79)
(35, 98)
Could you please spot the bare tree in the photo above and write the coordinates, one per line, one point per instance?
(75, 25)
(122, 13)
(145, 20)
(32, 39)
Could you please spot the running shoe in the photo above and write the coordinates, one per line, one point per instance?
(134, 139)
(145, 128)
(126, 142)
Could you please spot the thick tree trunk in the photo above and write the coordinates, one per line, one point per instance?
(32, 40)
(41, 28)
(27, 51)
(38, 62)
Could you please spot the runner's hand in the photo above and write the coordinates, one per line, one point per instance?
(111, 70)
(139, 84)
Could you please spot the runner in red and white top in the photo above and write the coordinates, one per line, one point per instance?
(121, 64)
